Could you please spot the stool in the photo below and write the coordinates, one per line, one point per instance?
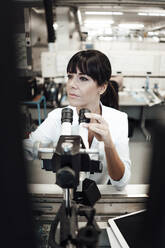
(37, 101)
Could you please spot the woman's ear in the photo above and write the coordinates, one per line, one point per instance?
(102, 88)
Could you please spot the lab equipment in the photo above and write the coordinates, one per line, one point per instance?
(69, 158)
(147, 83)
(83, 131)
(66, 121)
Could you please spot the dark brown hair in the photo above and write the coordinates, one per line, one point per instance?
(110, 98)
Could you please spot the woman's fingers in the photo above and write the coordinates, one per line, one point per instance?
(96, 117)
(100, 127)
(97, 128)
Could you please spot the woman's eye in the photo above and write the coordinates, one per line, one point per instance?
(70, 76)
(83, 79)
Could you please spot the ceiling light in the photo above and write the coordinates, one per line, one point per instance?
(131, 26)
(151, 14)
(143, 14)
(94, 24)
(102, 13)
(117, 13)
(154, 14)
(97, 13)
(102, 22)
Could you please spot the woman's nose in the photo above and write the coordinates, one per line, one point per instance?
(73, 82)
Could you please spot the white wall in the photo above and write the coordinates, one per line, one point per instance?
(135, 58)
(132, 57)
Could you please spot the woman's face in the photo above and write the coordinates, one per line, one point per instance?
(82, 91)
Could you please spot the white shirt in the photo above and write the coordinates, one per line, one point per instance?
(49, 131)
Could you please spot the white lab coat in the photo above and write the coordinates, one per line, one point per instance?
(49, 131)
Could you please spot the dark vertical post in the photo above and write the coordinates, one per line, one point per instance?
(15, 208)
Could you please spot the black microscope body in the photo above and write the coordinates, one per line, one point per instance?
(69, 159)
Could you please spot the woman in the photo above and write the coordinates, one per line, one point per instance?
(88, 79)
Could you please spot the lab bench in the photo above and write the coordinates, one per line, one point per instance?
(47, 198)
(138, 101)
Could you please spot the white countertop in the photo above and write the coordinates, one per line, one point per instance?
(131, 190)
(138, 97)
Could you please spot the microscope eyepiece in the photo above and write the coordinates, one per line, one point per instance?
(67, 115)
(83, 132)
(82, 117)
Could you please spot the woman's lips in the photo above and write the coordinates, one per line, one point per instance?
(73, 95)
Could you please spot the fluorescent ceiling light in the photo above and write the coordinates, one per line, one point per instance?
(117, 13)
(151, 14)
(102, 13)
(94, 24)
(97, 13)
(101, 21)
(131, 25)
(143, 14)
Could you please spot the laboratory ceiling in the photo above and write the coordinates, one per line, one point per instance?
(120, 18)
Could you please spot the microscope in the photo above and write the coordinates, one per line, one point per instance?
(69, 160)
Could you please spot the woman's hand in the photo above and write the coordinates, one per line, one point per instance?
(99, 127)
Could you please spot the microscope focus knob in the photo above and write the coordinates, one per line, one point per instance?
(66, 178)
